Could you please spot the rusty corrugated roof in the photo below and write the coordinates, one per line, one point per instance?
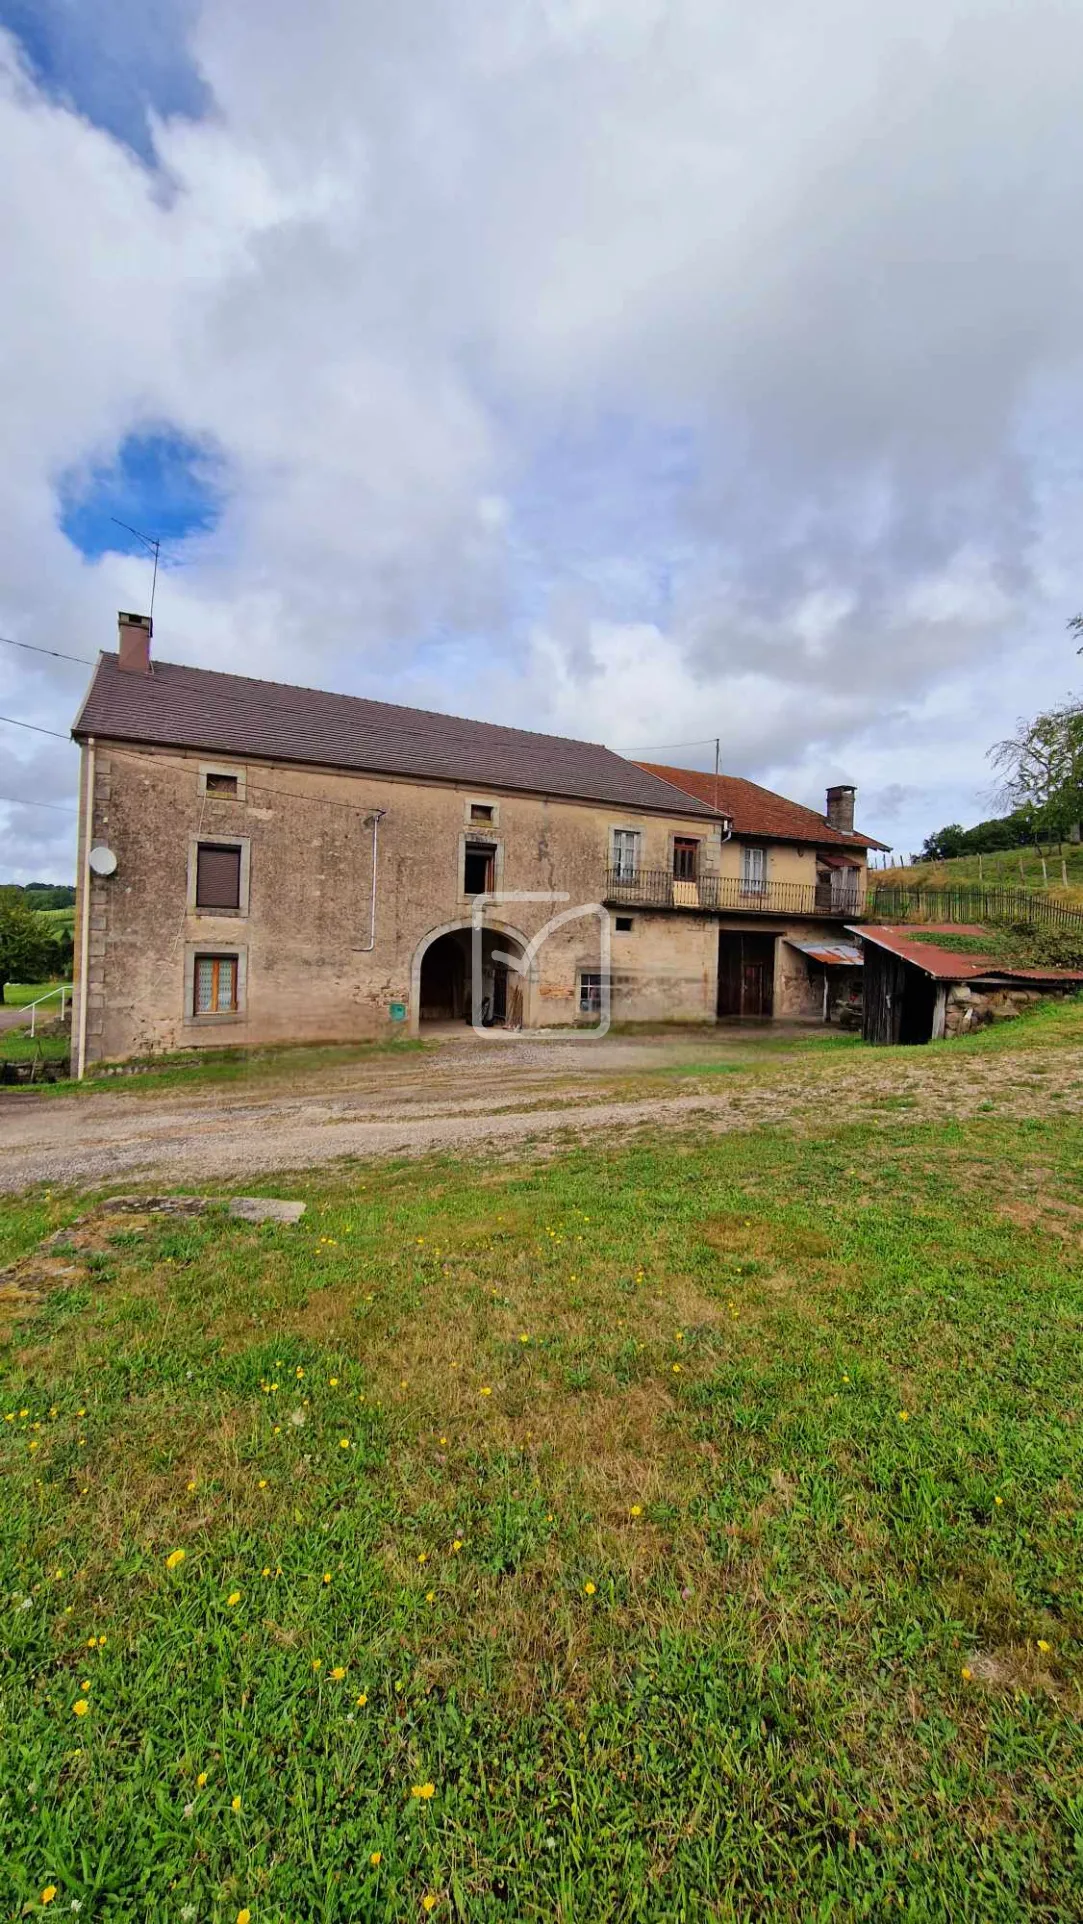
(946, 965)
(833, 954)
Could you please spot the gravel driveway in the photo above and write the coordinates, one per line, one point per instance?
(465, 1095)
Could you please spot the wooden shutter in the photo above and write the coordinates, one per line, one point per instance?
(218, 877)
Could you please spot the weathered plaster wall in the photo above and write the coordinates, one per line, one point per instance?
(309, 974)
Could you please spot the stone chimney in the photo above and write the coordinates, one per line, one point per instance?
(840, 808)
(135, 632)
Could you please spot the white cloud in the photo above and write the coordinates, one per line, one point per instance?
(409, 253)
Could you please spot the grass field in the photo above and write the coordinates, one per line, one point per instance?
(686, 1530)
(1017, 868)
(18, 994)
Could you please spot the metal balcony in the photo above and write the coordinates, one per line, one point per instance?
(656, 888)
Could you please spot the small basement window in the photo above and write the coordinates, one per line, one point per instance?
(481, 811)
(479, 868)
(215, 985)
(590, 994)
(218, 876)
(221, 785)
(624, 924)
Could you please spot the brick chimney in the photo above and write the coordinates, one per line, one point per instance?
(840, 808)
(134, 642)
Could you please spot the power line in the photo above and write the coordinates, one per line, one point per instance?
(22, 801)
(655, 748)
(56, 653)
(38, 730)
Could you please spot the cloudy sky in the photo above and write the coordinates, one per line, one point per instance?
(638, 369)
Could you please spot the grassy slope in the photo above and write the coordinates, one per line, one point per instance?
(808, 1428)
(997, 871)
(18, 994)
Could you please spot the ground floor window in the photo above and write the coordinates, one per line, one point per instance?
(215, 985)
(590, 994)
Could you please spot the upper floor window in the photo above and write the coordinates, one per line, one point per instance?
(221, 785)
(685, 858)
(625, 854)
(218, 875)
(481, 812)
(479, 868)
(753, 870)
(219, 779)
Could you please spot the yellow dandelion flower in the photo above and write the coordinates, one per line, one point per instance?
(524, 1338)
(92, 1643)
(298, 1373)
(262, 1485)
(235, 1803)
(1044, 1647)
(80, 1707)
(966, 1673)
(266, 1570)
(48, 1894)
(676, 1369)
(173, 1559)
(343, 1442)
(362, 1700)
(233, 1597)
(486, 1392)
(430, 1596)
(457, 1546)
(999, 1501)
(333, 1380)
(327, 1576)
(201, 1780)
(375, 1857)
(423, 1790)
(423, 1556)
(317, 1663)
(636, 1510)
(338, 1673)
(191, 1486)
(443, 1442)
(589, 1589)
(904, 1416)
(428, 1903)
(244, 1917)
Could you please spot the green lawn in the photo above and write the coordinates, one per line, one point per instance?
(18, 994)
(683, 1530)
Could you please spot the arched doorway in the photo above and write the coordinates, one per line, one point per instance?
(442, 989)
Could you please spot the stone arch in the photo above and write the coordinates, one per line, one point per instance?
(504, 931)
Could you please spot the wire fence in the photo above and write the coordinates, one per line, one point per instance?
(968, 902)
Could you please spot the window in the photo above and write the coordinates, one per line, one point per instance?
(624, 924)
(220, 785)
(215, 978)
(685, 858)
(753, 871)
(625, 854)
(590, 994)
(218, 875)
(479, 868)
(481, 811)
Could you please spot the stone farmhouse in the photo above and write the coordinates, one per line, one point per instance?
(262, 863)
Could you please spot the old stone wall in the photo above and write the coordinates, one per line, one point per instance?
(310, 965)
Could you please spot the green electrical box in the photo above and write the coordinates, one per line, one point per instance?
(398, 1011)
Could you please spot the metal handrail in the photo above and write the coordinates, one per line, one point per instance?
(657, 888)
(63, 991)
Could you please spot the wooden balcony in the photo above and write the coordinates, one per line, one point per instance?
(656, 888)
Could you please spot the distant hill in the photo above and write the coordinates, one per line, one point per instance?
(46, 895)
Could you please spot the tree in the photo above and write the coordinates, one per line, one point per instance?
(26, 951)
(1041, 769)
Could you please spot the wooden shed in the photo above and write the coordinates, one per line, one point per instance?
(916, 991)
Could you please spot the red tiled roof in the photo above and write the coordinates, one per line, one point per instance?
(759, 811)
(945, 965)
(178, 707)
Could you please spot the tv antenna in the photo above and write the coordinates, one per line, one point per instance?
(149, 541)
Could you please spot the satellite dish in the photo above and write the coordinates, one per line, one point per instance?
(102, 861)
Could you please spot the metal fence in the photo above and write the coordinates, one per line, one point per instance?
(656, 888)
(900, 901)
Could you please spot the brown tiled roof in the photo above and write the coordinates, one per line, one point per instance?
(177, 707)
(947, 965)
(759, 811)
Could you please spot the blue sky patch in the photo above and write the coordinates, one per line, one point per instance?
(162, 482)
(114, 61)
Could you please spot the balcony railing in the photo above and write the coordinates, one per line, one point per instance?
(656, 888)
